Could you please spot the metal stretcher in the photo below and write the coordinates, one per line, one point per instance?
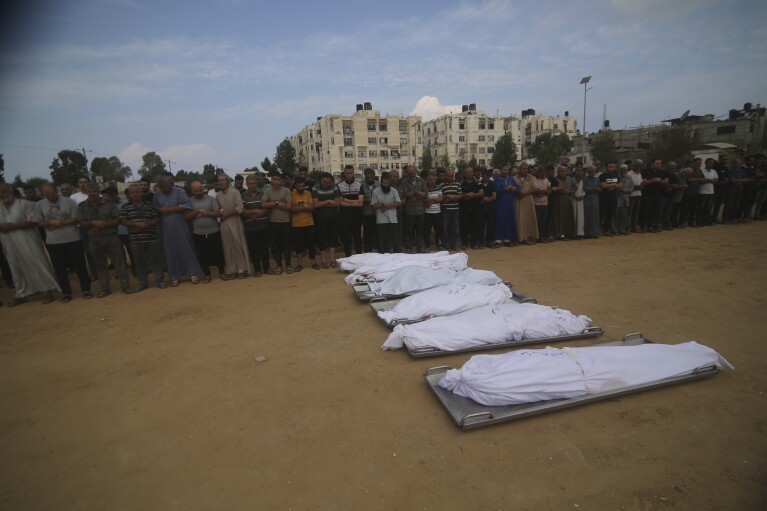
(468, 414)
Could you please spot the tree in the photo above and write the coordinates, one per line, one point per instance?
(152, 167)
(285, 157)
(472, 163)
(37, 182)
(17, 182)
(2, 169)
(68, 167)
(188, 177)
(268, 166)
(444, 161)
(505, 152)
(548, 148)
(461, 164)
(672, 144)
(110, 169)
(210, 172)
(603, 147)
(427, 161)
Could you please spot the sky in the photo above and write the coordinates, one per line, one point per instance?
(225, 81)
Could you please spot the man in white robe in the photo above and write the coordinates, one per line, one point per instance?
(32, 271)
(232, 230)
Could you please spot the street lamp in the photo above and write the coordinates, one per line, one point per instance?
(584, 81)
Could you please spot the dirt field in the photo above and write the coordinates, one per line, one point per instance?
(155, 401)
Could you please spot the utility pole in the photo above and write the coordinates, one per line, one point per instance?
(87, 172)
(584, 81)
(169, 168)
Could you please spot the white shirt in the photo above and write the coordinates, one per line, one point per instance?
(79, 197)
(708, 188)
(636, 177)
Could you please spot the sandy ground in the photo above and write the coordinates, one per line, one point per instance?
(155, 401)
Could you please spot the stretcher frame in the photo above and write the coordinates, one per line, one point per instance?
(468, 414)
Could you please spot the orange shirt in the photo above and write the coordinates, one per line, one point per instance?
(301, 218)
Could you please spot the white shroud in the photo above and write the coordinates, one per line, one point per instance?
(412, 279)
(445, 300)
(490, 324)
(357, 261)
(528, 376)
(456, 262)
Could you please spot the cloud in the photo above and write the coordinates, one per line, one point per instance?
(428, 107)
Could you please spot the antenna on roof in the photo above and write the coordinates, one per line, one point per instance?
(684, 116)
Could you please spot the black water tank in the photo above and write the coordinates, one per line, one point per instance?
(359, 106)
(747, 107)
(607, 123)
(733, 114)
(464, 108)
(473, 107)
(368, 105)
(567, 113)
(532, 111)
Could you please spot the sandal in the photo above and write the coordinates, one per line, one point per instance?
(195, 279)
(17, 301)
(48, 299)
(299, 268)
(316, 266)
(242, 275)
(103, 294)
(87, 295)
(333, 264)
(66, 299)
(289, 270)
(278, 271)
(257, 274)
(173, 283)
(325, 266)
(270, 272)
(227, 276)
(206, 279)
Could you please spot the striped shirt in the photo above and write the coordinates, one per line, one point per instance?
(144, 213)
(450, 190)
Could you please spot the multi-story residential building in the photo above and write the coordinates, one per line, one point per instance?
(364, 139)
(473, 134)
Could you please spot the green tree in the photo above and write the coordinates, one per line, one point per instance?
(472, 163)
(2, 169)
(152, 166)
(603, 147)
(110, 169)
(268, 166)
(461, 164)
(188, 177)
(285, 157)
(68, 167)
(444, 161)
(672, 144)
(37, 182)
(548, 148)
(210, 172)
(17, 182)
(505, 152)
(315, 175)
(427, 161)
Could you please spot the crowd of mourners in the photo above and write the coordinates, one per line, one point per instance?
(254, 227)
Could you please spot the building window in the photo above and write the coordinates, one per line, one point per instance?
(372, 140)
(725, 130)
(461, 125)
(382, 127)
(332, 140)
(491, 125)
(348, 130)
(403, 141)
(481, 125)
(395, 155)
(373, 154)
(374, 166)
(473, 150)
(490, 150)
(383, 140)
(403, 126)
(481, 138)
(361, 154)
(348, 154)
(371, 126)
(461, 138)
(348, 142)
(481, 150)
(384, 166)
(491, 138)
(481, 163)
(384, 154)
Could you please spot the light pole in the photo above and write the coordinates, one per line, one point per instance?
(584, 81)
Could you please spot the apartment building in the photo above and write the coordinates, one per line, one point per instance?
(473, 134)
(364, 139)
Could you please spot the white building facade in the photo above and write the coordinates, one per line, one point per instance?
(364, 139)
